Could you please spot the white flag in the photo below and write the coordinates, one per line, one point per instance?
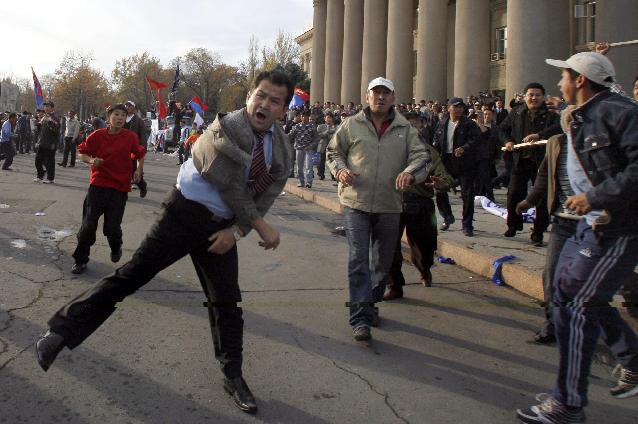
(198, 120)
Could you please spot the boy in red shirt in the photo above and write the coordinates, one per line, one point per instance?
(109, 152)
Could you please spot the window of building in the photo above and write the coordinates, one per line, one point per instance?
(585, 13)
(499, 50)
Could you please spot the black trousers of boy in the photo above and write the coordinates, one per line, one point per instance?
(525, 172)
(419, 222)
(8, 151)
(100, 201)
(182, 229)
(24, 143)
(45, 163)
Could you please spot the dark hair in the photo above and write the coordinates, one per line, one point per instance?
(13, 115)
(537, 85)
(276, 78)
(117, 106)
(635, 80)
(305, 112)
(596, 88)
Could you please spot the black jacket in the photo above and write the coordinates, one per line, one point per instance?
(466, 135)
(605, 135)
(137, 126)
(500, 116)
(545, 124)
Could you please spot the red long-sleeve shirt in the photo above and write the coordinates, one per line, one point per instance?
(116, 150)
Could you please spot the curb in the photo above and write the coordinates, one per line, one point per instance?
(516, 276)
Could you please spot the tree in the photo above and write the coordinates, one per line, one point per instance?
(205, 76)
(129, 79)
(78, 86)
(285, 50)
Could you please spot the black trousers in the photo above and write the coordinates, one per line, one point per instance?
(45, 160)
(525, 172)
(24, 143)
(69, 147)
(141, 183)
(419, 222)
(483, 183)
(466, 177)
(100, 201)
(182, 229)
(8, 151)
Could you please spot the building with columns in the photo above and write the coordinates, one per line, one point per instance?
(436, 49)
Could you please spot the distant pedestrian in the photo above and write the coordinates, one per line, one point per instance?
(24, 132)
(70, 139)
(7, 147)
(48, 138)
(305, 140)
(135, 124)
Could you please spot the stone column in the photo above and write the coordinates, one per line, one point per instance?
(334, 51)
(400, 62)
(472, 47)
(616, 21)
(352, 51)
(375, 25)
(318, 61)
(529, 45)
(431, 61)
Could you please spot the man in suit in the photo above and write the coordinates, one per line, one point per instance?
(238, 168)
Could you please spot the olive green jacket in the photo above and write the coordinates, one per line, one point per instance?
(377, 161)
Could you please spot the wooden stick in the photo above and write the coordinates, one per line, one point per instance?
(525, 145)
(623, 43)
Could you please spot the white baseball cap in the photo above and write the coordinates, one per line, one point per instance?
(593, 66)
(380, 81)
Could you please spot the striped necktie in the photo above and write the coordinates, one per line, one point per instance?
(259, 179)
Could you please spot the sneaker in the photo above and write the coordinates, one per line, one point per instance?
(511, 232)
(445, 226)
(627, 384)
(550, 411)
(468, 232)
(37, 180)
(537, 239)
(47, 181)
(7, 169)
(143, 191)
(116, 256)
(62, 164)
(308, 185)
(78, 268)
(362, 333)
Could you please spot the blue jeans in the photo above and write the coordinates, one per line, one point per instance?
(589, 272)
(305, 171)
(372, 238)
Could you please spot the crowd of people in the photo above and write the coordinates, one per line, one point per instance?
(394, 165)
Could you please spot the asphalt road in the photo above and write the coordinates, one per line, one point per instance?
(457, 352)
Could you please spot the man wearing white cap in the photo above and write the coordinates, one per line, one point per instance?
(602, 164)
(374, 155)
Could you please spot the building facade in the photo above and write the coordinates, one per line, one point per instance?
(9, 93)
(436, 49)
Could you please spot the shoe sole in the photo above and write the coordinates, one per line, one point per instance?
(39, 359)
(630, 393)
(239, 406)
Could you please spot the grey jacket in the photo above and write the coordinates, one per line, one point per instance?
(223, 155)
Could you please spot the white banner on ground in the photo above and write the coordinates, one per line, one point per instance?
(498, 210)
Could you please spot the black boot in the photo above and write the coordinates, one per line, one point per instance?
(241, 394)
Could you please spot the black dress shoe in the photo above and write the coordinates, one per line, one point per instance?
(511, 232)
(116, 256)
(143, 191)
(243, 398)
(537, 239)
(47, 348)
(544, 338)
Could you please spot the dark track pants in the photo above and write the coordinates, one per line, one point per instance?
(589, 272)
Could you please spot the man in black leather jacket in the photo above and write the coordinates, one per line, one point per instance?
(602, 164)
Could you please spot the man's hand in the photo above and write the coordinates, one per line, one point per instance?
(532, 138)
(602, 47)
(458, 152)
(137, 175)
(96, 162)
(522, 207)
(346, 177)
(509, 146)
(554, 104)
(437, 183)
(269, 236)
(404, 180)
(578, 203)
(222, 240)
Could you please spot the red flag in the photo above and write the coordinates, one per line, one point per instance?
(162, 106)
(155, 85)
(200, 103)
(304, 95)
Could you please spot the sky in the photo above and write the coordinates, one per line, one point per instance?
(42, 31)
